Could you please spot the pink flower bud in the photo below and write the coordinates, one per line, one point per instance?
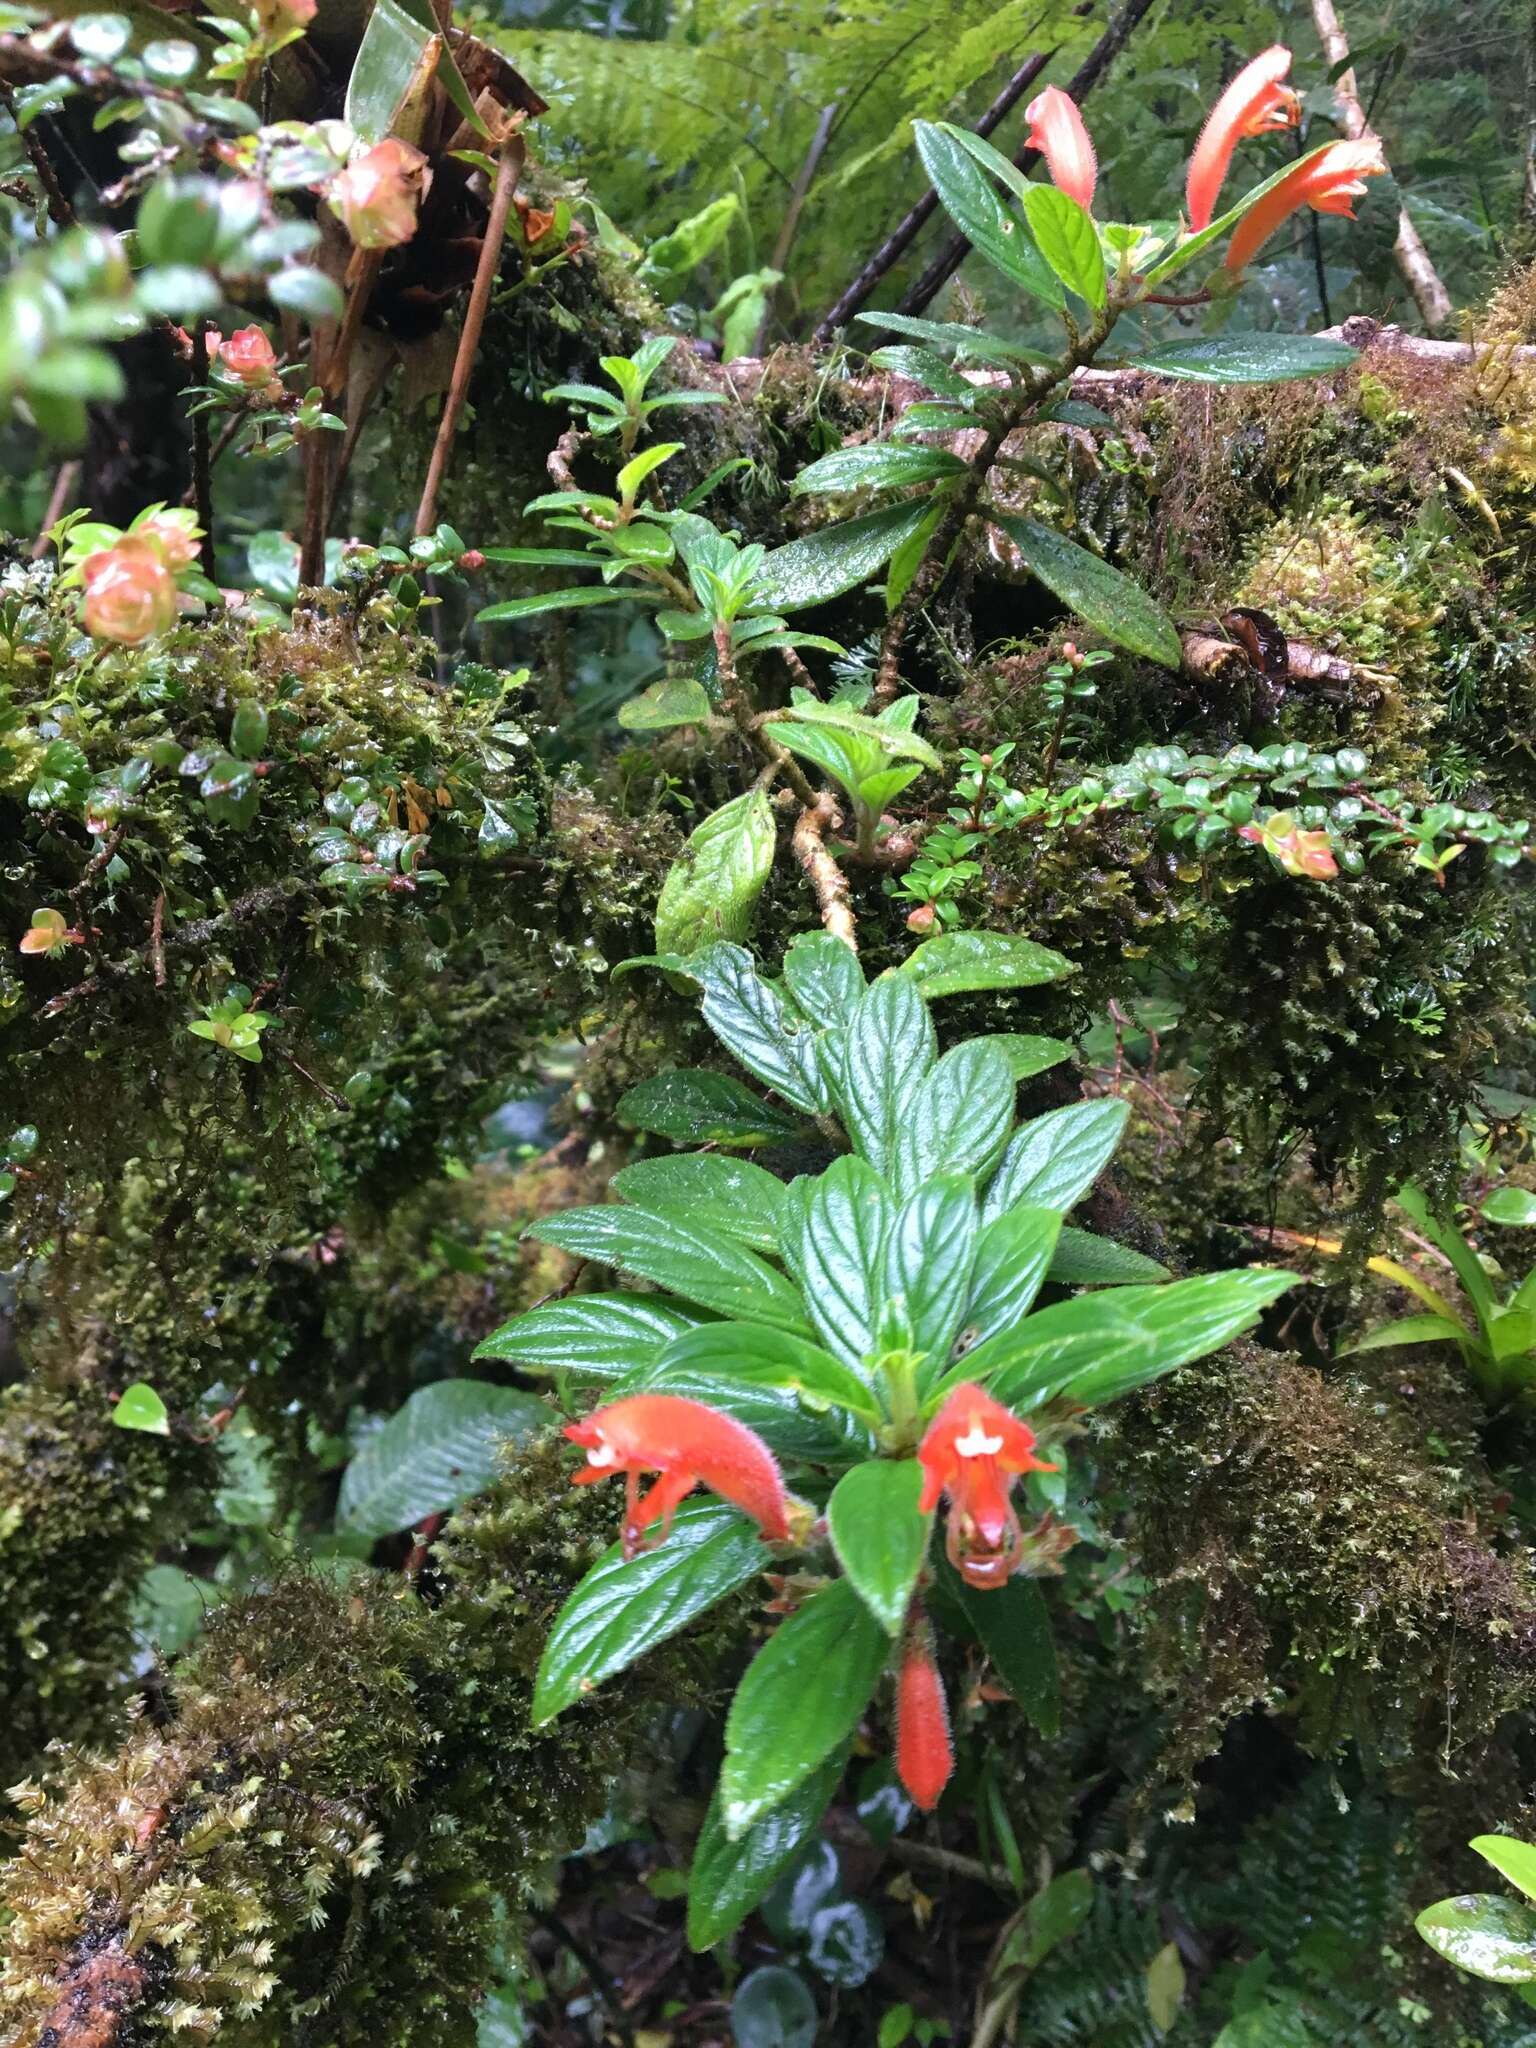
(921, 919)
(130, 594)
(276, 14)
(174, 540)
(249, 356)
(376, 198)
(471, 559)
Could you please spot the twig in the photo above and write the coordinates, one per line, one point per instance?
(336, 1101)
(1413, 261)
(157, 940)
(826, 878)
(509, 165)
(60, 212)
(897, 243)
(188, 939)
(58, 504)
(1091, 70)
(791, 222)
(421, 1543)
(599, 1978)
(202, 465)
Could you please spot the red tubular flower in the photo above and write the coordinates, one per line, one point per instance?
(690, 1445)
(1056, 130)
(1327, 182)
(925, 1755)
(1254, 103)
(972, 1453)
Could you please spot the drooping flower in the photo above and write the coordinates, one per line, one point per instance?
(1255, 103)
(1298, 852)
(250, 357)
(130, 593)
(925, 1755)
(377, 196)
(689, 1444)
(49, 934)
(973, 1452)
(1056, 130)
(1327, 182)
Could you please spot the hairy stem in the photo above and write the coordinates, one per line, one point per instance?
(827, 880)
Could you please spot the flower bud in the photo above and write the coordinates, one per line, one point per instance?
(250, 357)
(471, 559)
(279, 14)
(921, 919)
(174, 540)
(130, 594)
(377, 196)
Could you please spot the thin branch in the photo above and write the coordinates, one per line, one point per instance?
(791, 222)
(202, 465)
(826, 878)
(60, 212)
(58, 504)
(1408, 252)
(507, 169)
(1089, 73)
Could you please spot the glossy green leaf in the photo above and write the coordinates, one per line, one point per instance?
(140, 1407)
(930, 1250)
(1055, 1915)
(685, 1258)
(1103, 597)
(622, 1609)
(1486, 1934)
(835, 1228)
(1028, 1054)
(757, 1355)
(888, 1051)
(695, 1106)
(959, 1118)
(713, 887)
(1511, 1857)
(954, 161)
(727, 1878)
(891, 736)
(1245, 358)
(441, 1448)
(394, 60)
(1408, 1330)
(1013, 1626)
(730, 1195)
(751, 1022)
(595, 1336)
(879, 1536)
(1510, 1206)
(1084, 1259)
(877, 465)
(1098, 1346)
(793, 1425)
(966, 341)
(837, 558)
(959, 963)
(1055, 1159)
(773, 2008)
(824, 977)
(1068, 240)
(563, 601)
(675, 700)
(1014, 1254)
(802, 1696)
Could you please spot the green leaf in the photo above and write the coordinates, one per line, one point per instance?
(968, 341)
(1245, 358)
(793, 1426)
(1084, 1259)
(1055, 1915)
(1510, 1206)
(622, 1609)
(891, 738)
(1489, 1936)
(714, 885)
(773, 2008)
(959, 1118)
(954, 162)
(802, 1696)
(879, 1536)
(1098, 1346)
(675, 700)
(1512, 1333)
(596, 1336)
(770, 1358)
(1014, 1255)
(682, 1257)
(140, 1407)
(877, 466)
(564, 601)
(693, 1106)
(1028, 1055)
(394, 59)
(1511, 1857)
(449, 77)
(727, 1878)
(837, 559)
(887, 1053)
(731, 1195)
(1408, 1330)
(1104, 598)
(639, 467)
(956, 963)
(824, 977)
(1054, 1160)
(750, 1021)
(1068, 240)
(930, 1250)
(1165, 1985)
(1013, 1626)
(436, 1451)
(303, 289)
(835, 1228)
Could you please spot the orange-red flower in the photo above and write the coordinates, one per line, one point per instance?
(49, 934)
(377, 196)
(973, 1452)
(925, 1755)
(1056, 130)
(1255, 102)
(1327, 181)
(689, 1445)
(130, 593)
(249, 356)
(1298, 852)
